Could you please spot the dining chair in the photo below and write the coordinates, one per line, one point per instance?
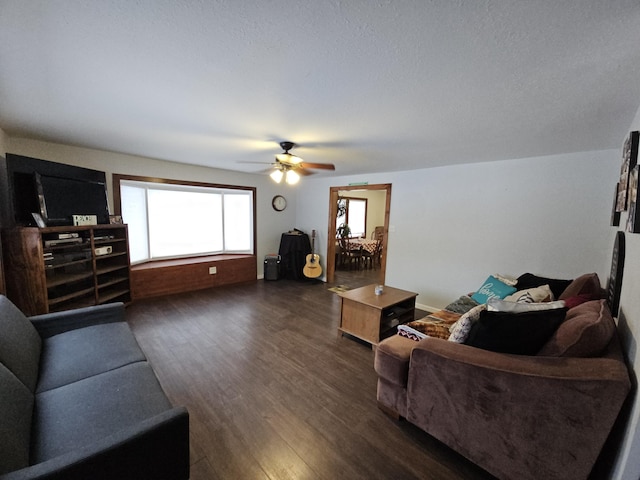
(350, 254)
(373, 259)
(357, 256)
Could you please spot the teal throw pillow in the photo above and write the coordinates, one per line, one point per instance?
(492, 288)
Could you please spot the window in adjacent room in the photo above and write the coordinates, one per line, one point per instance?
(355, 215)
(170, 219)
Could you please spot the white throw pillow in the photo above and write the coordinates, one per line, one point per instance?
(460, 330)
(495, 305)
(539, 294)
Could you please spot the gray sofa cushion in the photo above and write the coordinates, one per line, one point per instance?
(19, 344)
(77, 354)
(68, 417)
(16, 408)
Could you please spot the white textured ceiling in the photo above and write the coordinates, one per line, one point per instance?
(369, 85)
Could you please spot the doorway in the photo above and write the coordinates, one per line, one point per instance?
(334, 194)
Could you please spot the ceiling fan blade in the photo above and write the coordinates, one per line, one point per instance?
(320, 166)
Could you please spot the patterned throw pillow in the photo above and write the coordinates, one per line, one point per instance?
(492, 288)
(434, 325)
(532, 295)
(460, 330)
(462, 305)
(410, 333)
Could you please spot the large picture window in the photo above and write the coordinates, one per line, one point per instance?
(170, 219)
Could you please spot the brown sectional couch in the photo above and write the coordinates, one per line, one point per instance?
(517, 416)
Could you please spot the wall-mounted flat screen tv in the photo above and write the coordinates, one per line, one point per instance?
(54, 190)
(60, 198)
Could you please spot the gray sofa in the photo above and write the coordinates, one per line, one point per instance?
(79, 400)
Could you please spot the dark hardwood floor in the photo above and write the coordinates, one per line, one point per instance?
(274, 393)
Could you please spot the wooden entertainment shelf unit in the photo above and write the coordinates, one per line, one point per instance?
(59, 268)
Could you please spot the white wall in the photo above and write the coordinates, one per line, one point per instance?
(628, 466)
(451, 227)
(270, 224)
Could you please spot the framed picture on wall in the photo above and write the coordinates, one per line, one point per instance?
(629, 161)
(633, 220)
(615, 214)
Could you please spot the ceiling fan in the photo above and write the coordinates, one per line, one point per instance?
(290, 167)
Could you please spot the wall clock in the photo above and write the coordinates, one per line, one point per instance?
(279, 203)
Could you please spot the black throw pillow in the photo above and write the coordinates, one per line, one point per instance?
(529, 280)
(519, 333)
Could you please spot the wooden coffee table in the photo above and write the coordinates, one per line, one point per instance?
(372, 317)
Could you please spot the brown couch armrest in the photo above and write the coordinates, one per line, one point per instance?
(598, 368)
(516, 416)
(392, 359)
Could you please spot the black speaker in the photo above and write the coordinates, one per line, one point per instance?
(272, 267)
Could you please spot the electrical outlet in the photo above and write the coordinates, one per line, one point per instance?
(213, 270)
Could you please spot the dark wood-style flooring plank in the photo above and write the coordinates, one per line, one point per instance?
(272, 391)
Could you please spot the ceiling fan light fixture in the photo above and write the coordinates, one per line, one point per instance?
(276, 175)
(288, 158)
(285, 156)
(292, 177)
(290, 167)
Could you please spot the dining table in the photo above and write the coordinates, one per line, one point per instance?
(367, 244)
(363, 253)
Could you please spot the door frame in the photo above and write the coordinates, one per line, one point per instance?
(331, 235)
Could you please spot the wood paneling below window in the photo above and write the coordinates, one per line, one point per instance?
(158, 278)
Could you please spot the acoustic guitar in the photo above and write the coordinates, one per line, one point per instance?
(312, 268)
